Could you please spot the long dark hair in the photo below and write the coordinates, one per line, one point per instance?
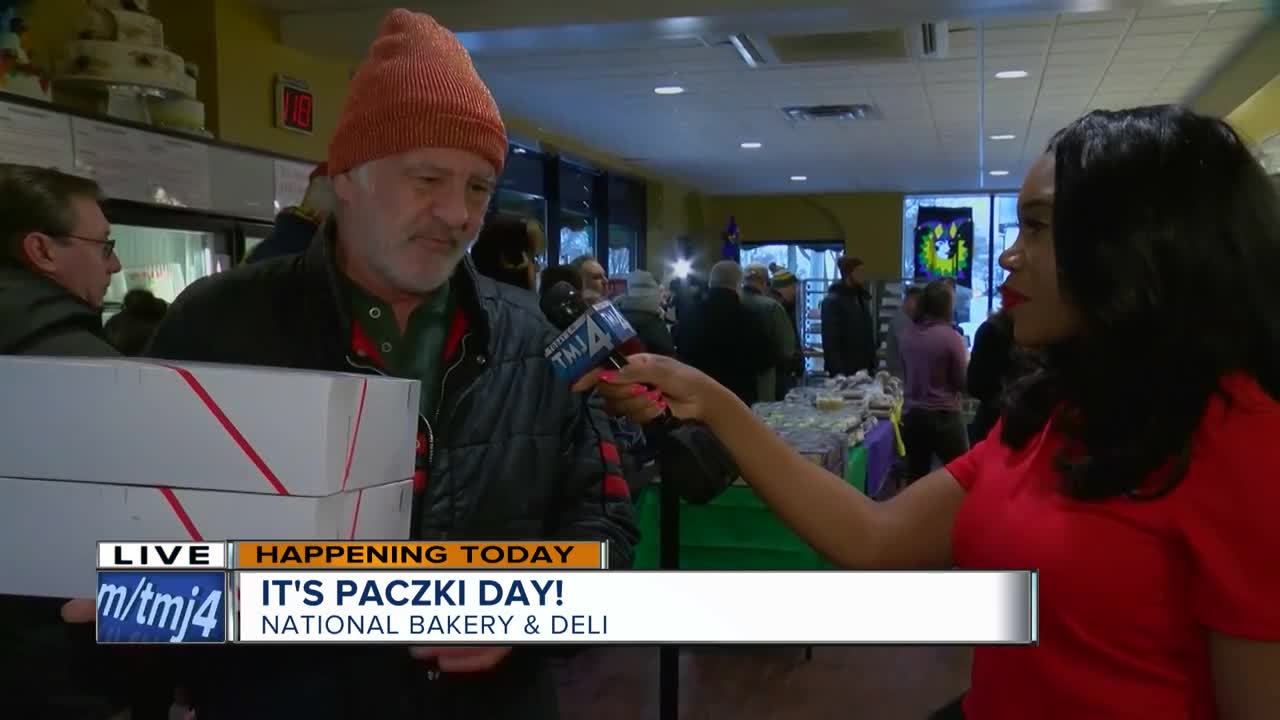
(506, 248)
(1167, 235)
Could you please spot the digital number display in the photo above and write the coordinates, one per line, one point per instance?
(295, 109)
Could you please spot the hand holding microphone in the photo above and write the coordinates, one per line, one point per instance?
(597, 344)
(596, 338)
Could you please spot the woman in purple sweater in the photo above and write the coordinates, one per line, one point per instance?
(934, 360)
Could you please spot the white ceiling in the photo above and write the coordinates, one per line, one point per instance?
(597, 87)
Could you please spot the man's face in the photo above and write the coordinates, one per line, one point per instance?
(910, 303)
(406, 220)
(858, 276)
(83, 261)
(594, 280)
(788, 293)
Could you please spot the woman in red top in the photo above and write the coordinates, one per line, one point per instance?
(1138, 470)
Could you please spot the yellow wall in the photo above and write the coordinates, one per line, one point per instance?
(1252, 67)
(53, 24)
(1258, 118)
(249, 57)
(869, 224)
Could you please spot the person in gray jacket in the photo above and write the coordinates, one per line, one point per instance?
(56, 264)
(777, 326)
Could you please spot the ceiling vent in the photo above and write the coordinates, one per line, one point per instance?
(860, 111)
(747, 50)
(925, 41)
(930, 41)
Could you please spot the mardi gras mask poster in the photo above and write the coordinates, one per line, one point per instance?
(944, 244)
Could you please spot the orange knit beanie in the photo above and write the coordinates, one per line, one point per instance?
(417, 89)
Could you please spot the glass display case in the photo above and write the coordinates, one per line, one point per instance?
(577, 212)
(627, 205)
(522, 190)
(164, 250)
(164, 261)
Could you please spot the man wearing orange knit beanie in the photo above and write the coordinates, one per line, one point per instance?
(505, 449)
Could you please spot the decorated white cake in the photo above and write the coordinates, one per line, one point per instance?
(120, 45)
(17, 73)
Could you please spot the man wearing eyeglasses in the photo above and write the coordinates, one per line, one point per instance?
(56, 262)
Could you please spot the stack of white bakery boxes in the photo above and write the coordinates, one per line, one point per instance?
(149, 450)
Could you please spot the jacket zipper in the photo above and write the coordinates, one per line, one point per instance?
(462, 354)
(431, 436)
(432, 674)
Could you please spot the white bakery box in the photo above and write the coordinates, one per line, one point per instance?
(150, 450)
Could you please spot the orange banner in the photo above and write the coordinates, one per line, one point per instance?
(420, 555)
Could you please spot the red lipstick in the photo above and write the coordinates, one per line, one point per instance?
(1011, 298)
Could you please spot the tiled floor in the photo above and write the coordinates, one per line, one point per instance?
(762, 683)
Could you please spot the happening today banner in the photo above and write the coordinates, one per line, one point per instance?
(536, 593)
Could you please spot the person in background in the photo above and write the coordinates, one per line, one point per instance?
(595, 280)
(553, 274)
(57, 259)
(990, 371)
(848, 333)
(506, 248)
(933, 363)
(904, 318)
(642, 308)
(780, 337)
(724, 339)
(130, 330)
(295, 226)
(56, 264)
(1135, 467)
(784, 286)
(689, 302)
(387, 286)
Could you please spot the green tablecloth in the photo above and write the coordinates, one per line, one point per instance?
(735, 531)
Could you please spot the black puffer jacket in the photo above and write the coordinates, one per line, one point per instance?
(848, 331)
(512, 454)
(39, 317)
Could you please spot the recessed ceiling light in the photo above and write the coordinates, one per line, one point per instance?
(668, 90)
(1011, 74)
(751, 146)
(999, 173)
(1003, 137)
(799, 178)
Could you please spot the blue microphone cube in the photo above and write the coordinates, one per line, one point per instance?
(585, 344)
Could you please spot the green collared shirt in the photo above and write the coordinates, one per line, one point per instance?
(416, 354)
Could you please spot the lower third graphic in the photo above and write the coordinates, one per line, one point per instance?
(161, 607)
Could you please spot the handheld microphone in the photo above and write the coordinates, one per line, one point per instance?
(591, 336)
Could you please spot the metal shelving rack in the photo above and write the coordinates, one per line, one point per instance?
(887, 298)
(809, 321)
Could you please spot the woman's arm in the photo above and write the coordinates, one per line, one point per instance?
(1245, 674)
(913, 530)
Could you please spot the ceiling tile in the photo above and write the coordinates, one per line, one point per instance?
(1168, 25)
(1019, 21)
(1156, 42)
(1090, 31)
(1225, 36)
(1160, 12)
(1094, 47)
(1237, 19)
(1092, 17)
